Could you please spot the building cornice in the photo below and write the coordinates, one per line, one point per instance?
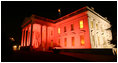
(86, 8)
(89, 9)
(71, 14)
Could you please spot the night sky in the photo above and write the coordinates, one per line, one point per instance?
(13, 14)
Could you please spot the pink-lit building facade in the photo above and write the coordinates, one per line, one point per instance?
(72, 31)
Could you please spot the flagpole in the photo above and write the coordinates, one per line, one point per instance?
(59, 10)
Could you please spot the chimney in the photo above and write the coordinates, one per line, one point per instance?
(105, 17)
(92, 8)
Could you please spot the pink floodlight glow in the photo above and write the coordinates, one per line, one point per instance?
(72, 31)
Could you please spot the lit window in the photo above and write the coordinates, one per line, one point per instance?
(73, 41)
(65, 42)
(82, 40)
(58, 30)
(81, 24)
(65, 29)
(91, 24)
(72, 27)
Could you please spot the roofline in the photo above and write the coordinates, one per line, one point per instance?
(29, 21)
(42, 18)
(69, 15)
(97, 14)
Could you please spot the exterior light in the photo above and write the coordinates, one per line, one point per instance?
(59, 10)
(15, 47)
(19, 47)
(12, 39)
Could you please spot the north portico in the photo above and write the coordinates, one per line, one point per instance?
(81, 29)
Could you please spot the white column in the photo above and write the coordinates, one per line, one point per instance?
(22, 38)
(31, 34)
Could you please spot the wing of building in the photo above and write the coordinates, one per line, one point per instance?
(81, 29)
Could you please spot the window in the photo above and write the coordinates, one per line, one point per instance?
(65, 29)
(73, 41)
(104, 43)
(65, 42)
(81, 24)
(51, 43)
(98, 40)
(72, 27)
(93, 40)
(91, 24)
(102, 29)
(97, 26)
(51, 32)
(58, 30)
(82, 40)
(59, 42)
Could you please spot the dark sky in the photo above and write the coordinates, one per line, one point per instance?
(13, 13)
